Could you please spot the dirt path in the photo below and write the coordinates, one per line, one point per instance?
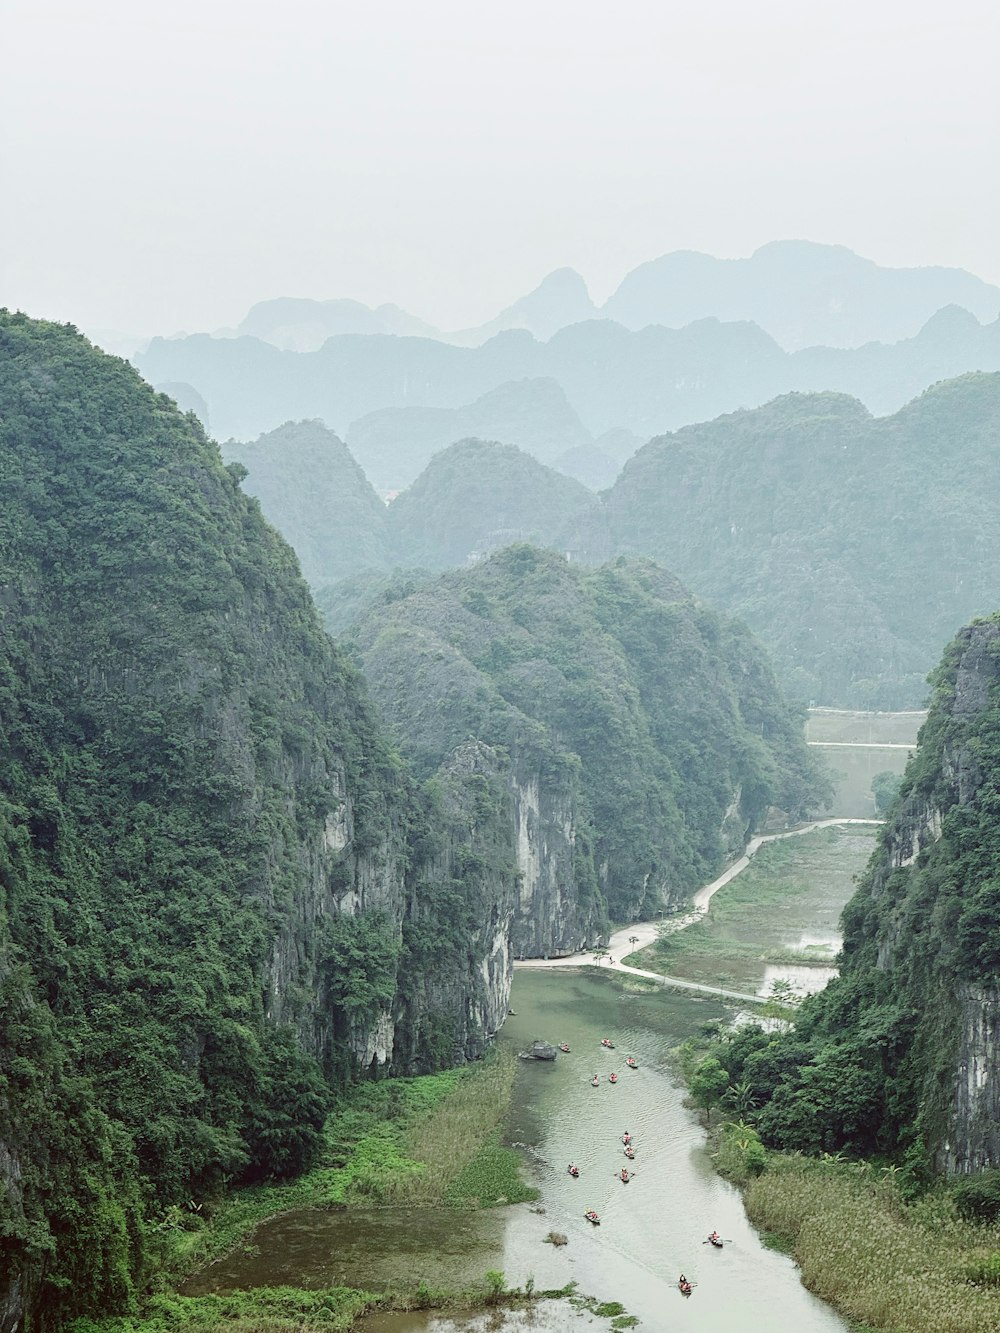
(632, 938)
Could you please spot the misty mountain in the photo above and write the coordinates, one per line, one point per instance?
(479, 496)
(299, 324)
(315, 494)
(854, 545)
(646, 382)
(800, 292)
(396, 444)
(559, 300)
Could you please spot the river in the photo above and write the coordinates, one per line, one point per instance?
(651, 1229)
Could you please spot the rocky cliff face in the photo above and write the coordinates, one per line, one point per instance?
(216, 878)
(927, 918)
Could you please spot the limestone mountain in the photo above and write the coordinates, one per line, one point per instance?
(646, 381)
(312, 490)
(221, 896)
(478, 496)
(803, 294)
(853, 545)
(302, 325)
(644, 735)
(897, 1058)
(396, 444)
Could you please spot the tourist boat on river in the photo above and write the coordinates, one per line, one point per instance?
(564, 1048)
(632, 1064)
(593, 1218)
(607, 1043)
(612, 1078)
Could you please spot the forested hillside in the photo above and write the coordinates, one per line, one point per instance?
(898, 1057)
(647, 381)
(478, 496)
(396, 444)
(855, 546)
(645, 734)
(312, 490)
(220, 895)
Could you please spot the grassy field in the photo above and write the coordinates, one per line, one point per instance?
(890, 1266)
(431, 1140)
(834, 724)
(792, 888)
(856, 746)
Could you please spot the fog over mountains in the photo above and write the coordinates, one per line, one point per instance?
(684, 339)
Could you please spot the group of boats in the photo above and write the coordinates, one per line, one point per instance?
(684, 1285)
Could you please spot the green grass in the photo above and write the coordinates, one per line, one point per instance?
(403, 1142)
(888, 1265)
(830, 724)
(779, 891)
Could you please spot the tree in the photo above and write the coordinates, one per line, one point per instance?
(708, 1085)
(885, 785)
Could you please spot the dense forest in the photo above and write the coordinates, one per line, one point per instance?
(651, 724)
(896, 1058)
(221, 896)
(313, 491)
(854, 545)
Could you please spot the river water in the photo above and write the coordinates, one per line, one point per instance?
(651, 1229)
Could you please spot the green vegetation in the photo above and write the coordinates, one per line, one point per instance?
(478, 496)
(317, 497)
(207, 848)
(789, 885)
(639, 710)
(815, 522)
(872, 1066)
(895, 1266)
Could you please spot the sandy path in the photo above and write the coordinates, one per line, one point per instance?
(632, 938)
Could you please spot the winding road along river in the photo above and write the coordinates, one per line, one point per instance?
(651, 1229)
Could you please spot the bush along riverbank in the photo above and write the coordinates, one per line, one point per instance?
(891, 1253)
(429, 1141)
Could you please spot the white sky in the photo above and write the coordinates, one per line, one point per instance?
(164, 169)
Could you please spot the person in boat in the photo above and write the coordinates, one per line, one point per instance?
(612, 1078)
(629, 1152)
(564, 1048)
(594, 1081)
(625, 1175)
(573, 1170)
(626, 1137)
(631, 1063)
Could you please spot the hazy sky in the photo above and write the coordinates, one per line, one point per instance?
(164, 169)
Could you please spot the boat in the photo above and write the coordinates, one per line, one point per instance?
(629, 1152)
(626, 1137)
(573, 1170)
(608, 1043)
(684, 1287)
(715, 1241)
(564, 1048)
(612, 1078)
(594, 1081)
(625, 1177)
(631, 1063)
(592, 1218)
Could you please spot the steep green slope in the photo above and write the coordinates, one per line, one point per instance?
(855, 546)
(217, 886)
(655, 723)
(478, 496)
(317, 497)
(395, 445)
(899, 1056)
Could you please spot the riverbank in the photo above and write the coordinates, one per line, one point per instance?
(424, 1142)
(777, 920)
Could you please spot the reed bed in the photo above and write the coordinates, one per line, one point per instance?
(893, 1266)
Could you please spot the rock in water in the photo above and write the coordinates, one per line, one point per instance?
(541, 1050)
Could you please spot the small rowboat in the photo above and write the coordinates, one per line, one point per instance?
(624, 1176)
(608, 1043)
(629, 1152)
(574, 1171)
(595, 1081)
(593, 1219)
(631, 1063)
(715, 1241)
(685, 1288)
(612, 1078)
(564, 1048)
